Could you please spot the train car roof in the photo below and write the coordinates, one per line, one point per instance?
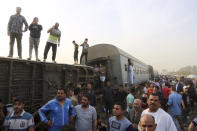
(40, 62)
(105, 50)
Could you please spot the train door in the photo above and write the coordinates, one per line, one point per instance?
(102, 67)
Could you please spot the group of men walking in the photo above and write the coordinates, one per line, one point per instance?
(15, 31)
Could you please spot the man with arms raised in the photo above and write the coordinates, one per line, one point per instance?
(53, 41)
(163, 120)
(34, 39)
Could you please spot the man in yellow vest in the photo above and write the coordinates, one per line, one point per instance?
(53, 40)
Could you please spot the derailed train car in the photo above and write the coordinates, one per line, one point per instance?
(37, 82)
(116, 62)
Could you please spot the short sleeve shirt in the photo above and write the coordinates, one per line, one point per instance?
(35, 30)
(163, 119)
(19, 123)
(84, 119)
(130, 99)
(174, 103)
(85, 47)
(54, 35)
(119, 125)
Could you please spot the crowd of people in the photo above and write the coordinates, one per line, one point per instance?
(15, 31)
(165, 105)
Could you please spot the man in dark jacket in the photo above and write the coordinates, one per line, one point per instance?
(179, 86)
(91, 94)
(108, 97)
(121, 95)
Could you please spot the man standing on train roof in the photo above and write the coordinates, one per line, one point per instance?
(59, 110)
(15, 29)
(34, 39)
(85, 46)
(75, 52)
(53, 40)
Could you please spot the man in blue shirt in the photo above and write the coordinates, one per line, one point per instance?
(174, 103)
(19, 120)
(59, 110)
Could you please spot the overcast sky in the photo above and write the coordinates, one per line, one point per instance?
(161, 33)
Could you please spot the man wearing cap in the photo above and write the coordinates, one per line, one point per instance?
(19, 120)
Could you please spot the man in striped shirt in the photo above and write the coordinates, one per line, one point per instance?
(19, 120)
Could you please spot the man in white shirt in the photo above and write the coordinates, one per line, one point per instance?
(131, 74)
(163, 120)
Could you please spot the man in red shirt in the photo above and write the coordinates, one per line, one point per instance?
(166, 93)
